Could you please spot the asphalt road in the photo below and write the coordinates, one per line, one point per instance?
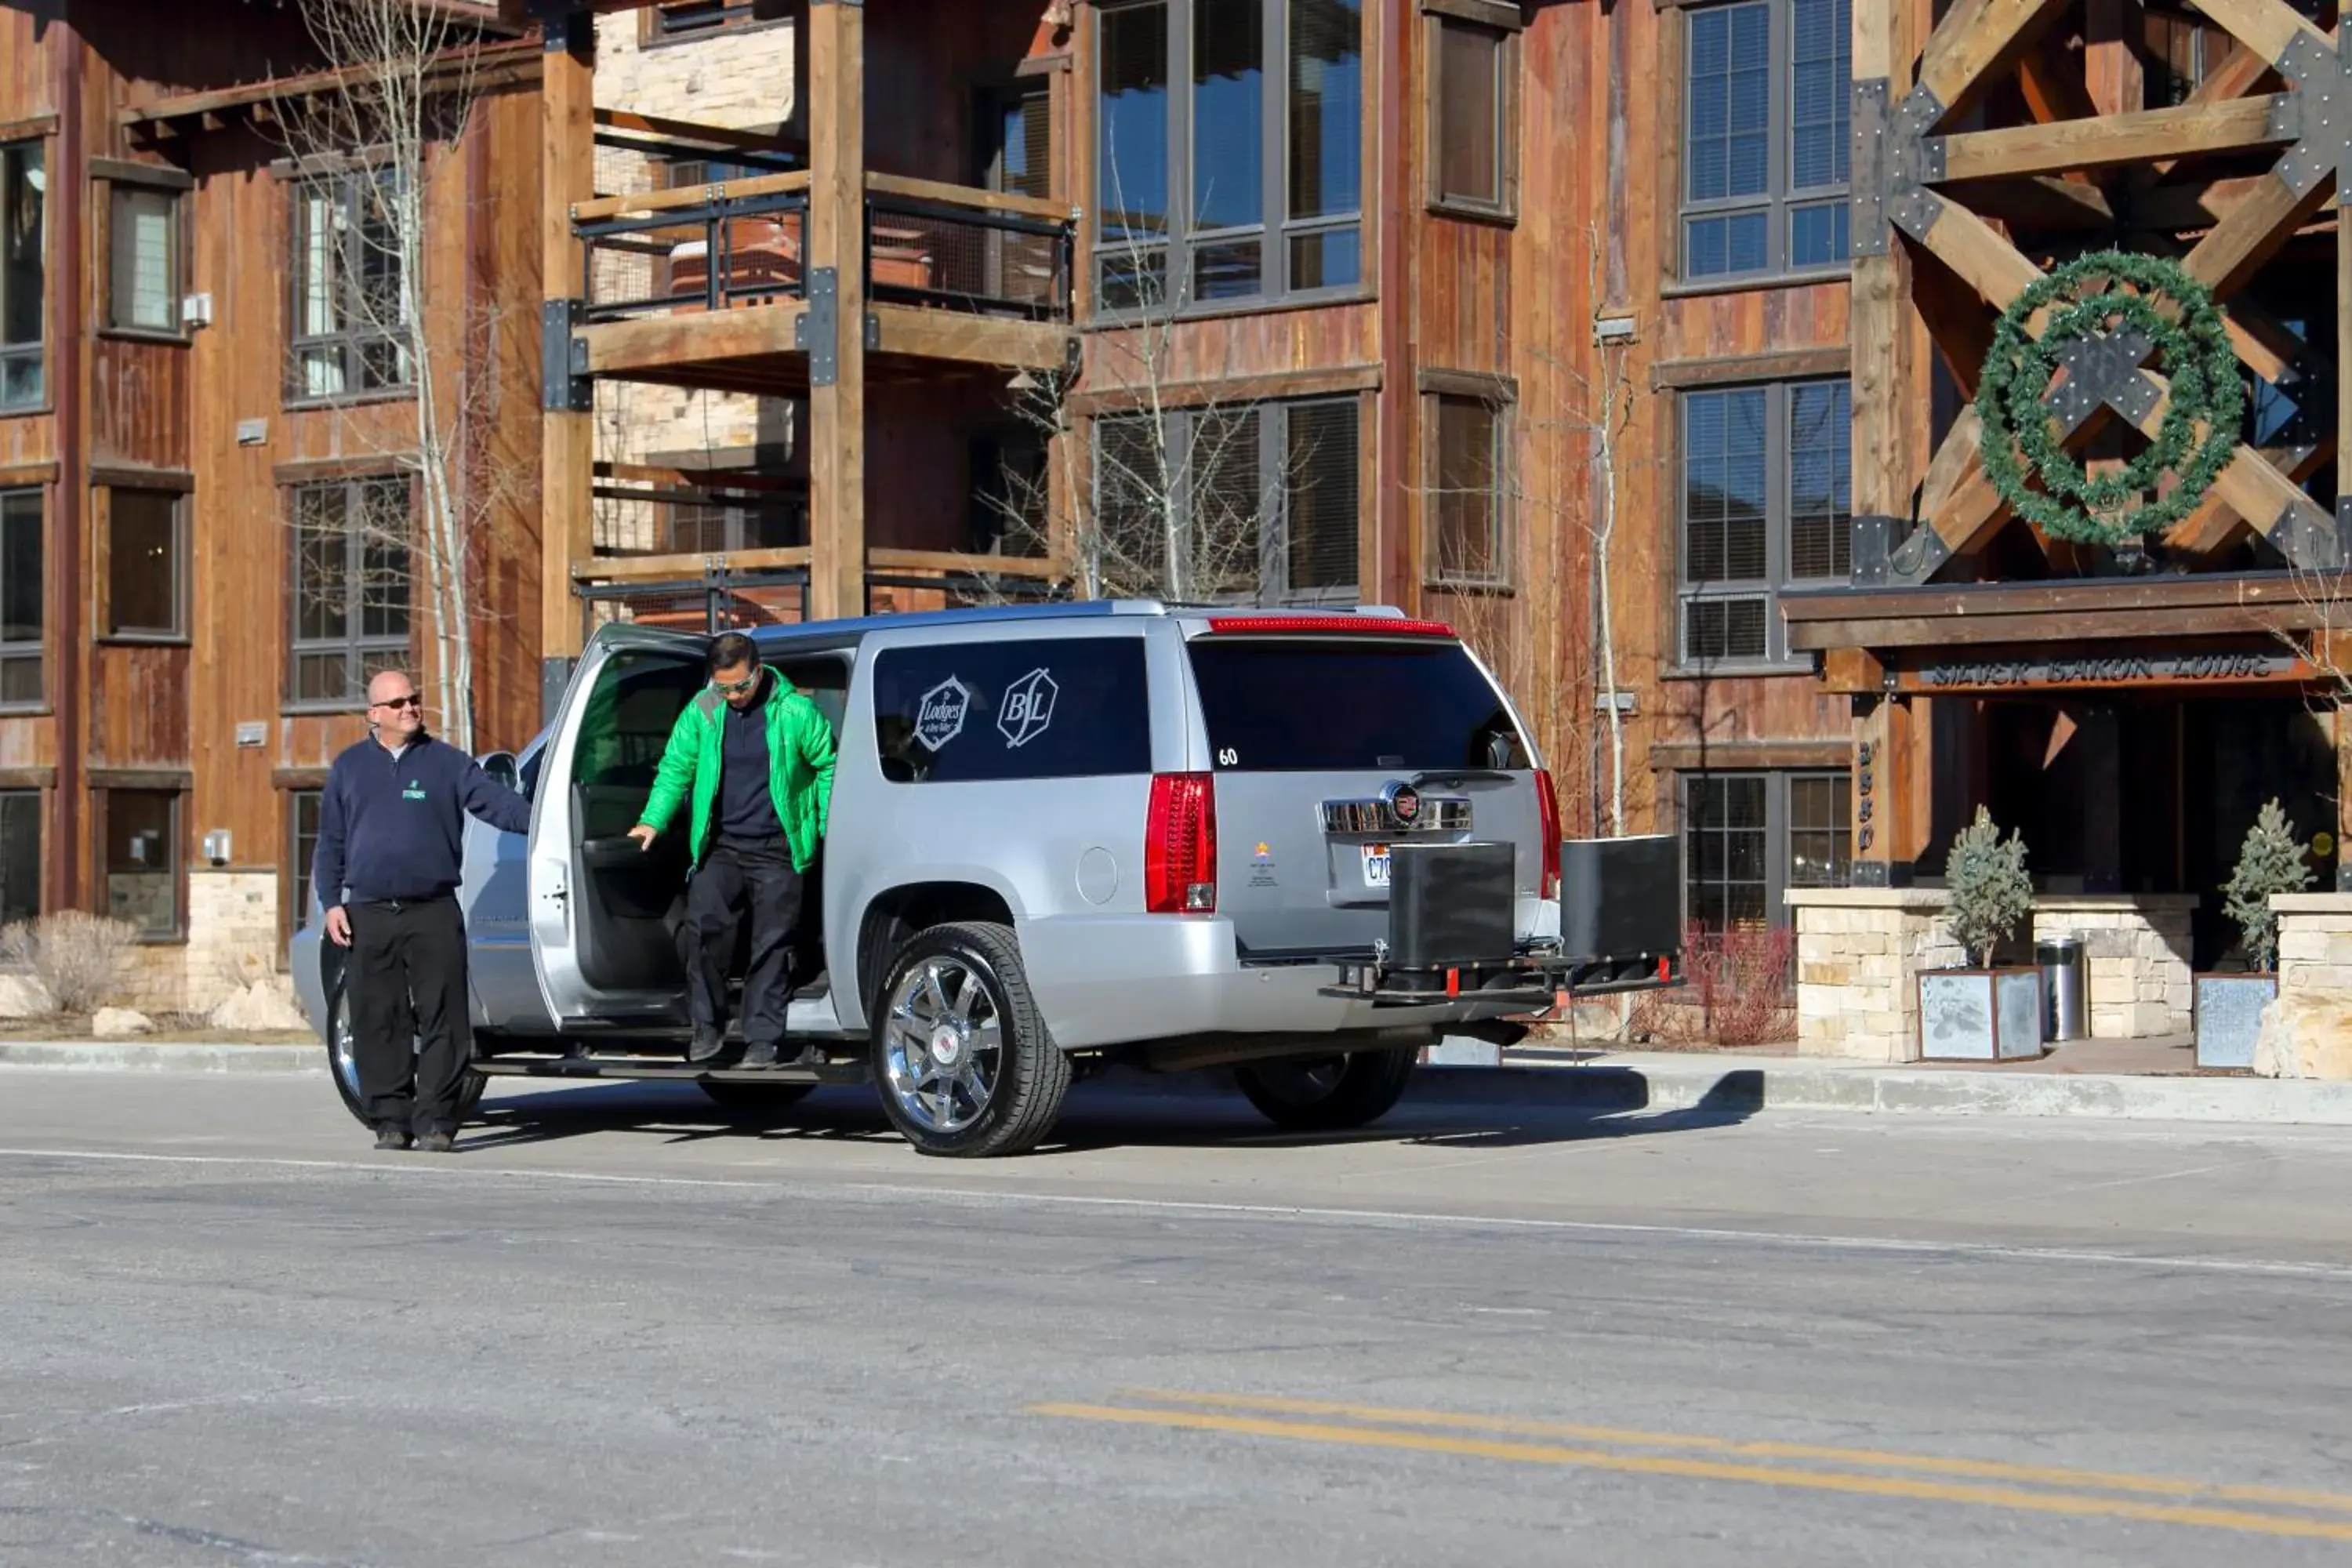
(614, 1330)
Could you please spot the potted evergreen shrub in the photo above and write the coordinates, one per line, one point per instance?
(2229, 1008)
(1985, 1014)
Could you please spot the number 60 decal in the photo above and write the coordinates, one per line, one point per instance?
(1228, 756)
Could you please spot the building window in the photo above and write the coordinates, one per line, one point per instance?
(23, 614)
(301, 848)
(1467, 463)
(142, 859)
(144, 273)
(1765, 505)
(350, 587)
(1765, 137)
(705, 528)
(146, 563)
(1473, 132)
(20, 854)
(24, 185)
(1748, 837)
(352, 306)
(1256, 504)
(691, 18)
(1230, 137)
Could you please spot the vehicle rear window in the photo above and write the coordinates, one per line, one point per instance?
(1282, 705)
(1054, 707)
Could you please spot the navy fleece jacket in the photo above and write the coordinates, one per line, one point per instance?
(394, 827)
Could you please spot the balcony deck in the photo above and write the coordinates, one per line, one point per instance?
(703, 287)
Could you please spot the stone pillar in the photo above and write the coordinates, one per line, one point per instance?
(1859, 954)
(2136, 953)
(2308, 1032)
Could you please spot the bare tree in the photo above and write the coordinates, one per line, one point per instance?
(1175, 497)
(371, 314)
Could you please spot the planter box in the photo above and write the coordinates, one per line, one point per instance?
(1979, 1014)
(2229, 1016)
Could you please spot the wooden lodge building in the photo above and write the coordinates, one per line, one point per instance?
(1638, 340)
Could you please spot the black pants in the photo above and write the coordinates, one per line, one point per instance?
(737, 878)
(408, 963)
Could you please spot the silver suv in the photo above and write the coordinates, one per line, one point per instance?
(1304, 846)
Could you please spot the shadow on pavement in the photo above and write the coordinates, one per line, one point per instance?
(1451, 1109)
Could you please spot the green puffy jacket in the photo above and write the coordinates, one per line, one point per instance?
(800, 759)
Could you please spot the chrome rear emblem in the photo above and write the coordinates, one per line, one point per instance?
(1403, 804)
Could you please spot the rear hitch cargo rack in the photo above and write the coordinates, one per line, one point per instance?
(1536, 981)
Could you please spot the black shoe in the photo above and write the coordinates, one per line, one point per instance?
(707, 1043)
(437, 1143)
(760, 1056)
(390, 1137)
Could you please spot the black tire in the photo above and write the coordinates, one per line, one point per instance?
(1328, 1094)
(756, 1099)
(1031, 1074)
(344, 1070)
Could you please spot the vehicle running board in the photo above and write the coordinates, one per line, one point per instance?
(844, 1073)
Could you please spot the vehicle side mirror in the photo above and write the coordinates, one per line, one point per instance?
(500, 766)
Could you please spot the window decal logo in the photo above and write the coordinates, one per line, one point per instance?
(1028, 708)
(939, 719)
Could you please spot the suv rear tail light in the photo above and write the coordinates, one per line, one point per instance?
(1548, 810)
(1179, 845)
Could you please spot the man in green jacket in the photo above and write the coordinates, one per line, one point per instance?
(757, 757)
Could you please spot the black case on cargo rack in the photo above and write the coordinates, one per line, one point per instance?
(1451, 905)
(1621, 898)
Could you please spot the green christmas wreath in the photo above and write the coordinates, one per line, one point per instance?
(2191, 348)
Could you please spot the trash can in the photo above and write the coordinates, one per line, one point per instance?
(2065, 999)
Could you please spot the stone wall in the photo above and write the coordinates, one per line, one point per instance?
(2136, 958)
(2308, 1032)
(1858, 953)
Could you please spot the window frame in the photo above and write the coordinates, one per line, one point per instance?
(1779, 543)
(36, 650)
(733, 16)
(174, 855)
(179, 632)
(354, 643)
(352, 341)
(120, 189)
(1779, 829)
(29, 801)
(294, 891)
(1276, 229)
(1780, 195)
(1486, 15)
(35, 350)
(1273, 437)
(1498, 398)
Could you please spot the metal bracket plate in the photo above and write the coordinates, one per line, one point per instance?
(1919, 557)
(1874, 535)
(564, 386)
(2317, 112)
(1871, 161)
(817, 333)
(2103, 371)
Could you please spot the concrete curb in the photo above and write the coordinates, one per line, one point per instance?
(160, 1056)
(1633, 1081)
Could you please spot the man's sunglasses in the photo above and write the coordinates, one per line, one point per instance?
(736, 688)
(395, 704)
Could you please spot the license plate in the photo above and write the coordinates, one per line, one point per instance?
(1376, 865)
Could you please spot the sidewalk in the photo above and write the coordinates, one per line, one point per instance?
(1718, 1083)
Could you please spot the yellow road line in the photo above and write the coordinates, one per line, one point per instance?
(1992, 1469)
(2073, 1505)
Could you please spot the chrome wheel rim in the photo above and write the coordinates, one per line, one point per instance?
(344, 1052)
(943, 1043)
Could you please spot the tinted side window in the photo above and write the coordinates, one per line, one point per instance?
(1067, 708)
(1275, 706)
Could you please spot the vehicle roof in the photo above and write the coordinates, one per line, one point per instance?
(1019, 615)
